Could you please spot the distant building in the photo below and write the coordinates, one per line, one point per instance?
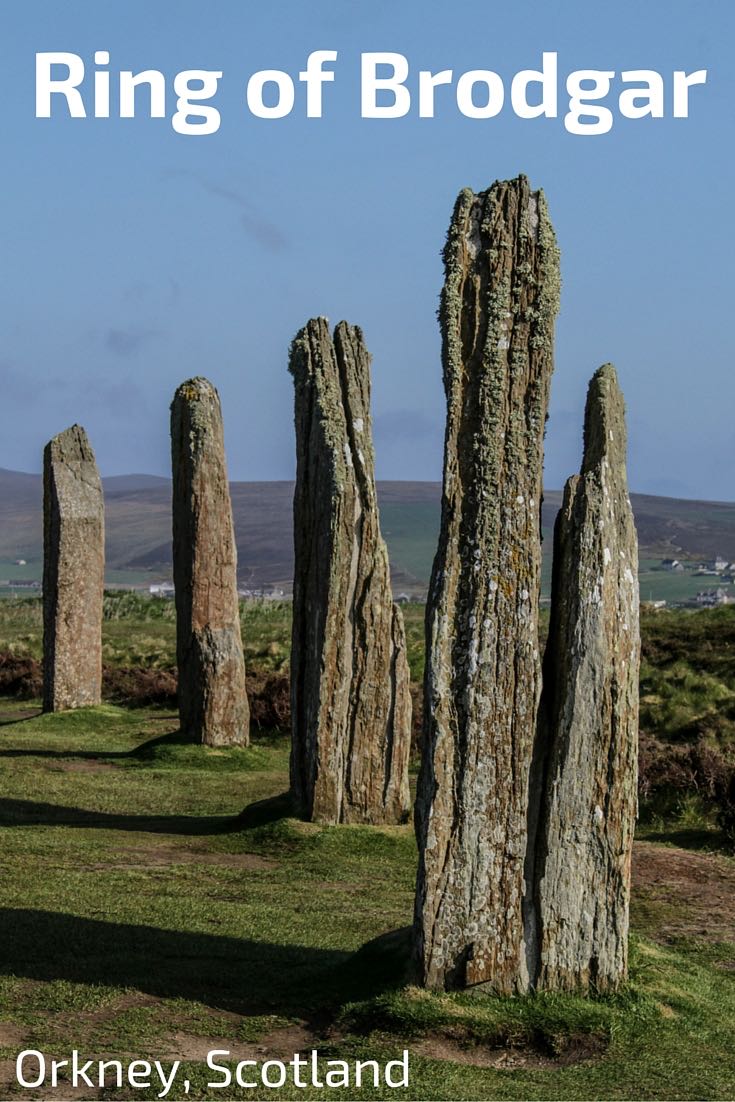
(711, 598)
(671, 564)
(264, 593)
(20, 562)
(162, 589)
(718, 564)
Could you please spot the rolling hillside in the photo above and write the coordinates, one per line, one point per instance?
(138, 527)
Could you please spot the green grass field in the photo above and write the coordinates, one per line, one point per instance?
(142, 919)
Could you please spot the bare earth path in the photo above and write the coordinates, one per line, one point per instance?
(690, 894)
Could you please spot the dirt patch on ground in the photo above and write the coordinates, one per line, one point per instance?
(17, 715)
(11, 1035)
(440, 1047)
(279, 1044)
(134, 857)
(83, 765)
(692, 894)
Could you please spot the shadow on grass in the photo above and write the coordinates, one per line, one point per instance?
(263, 812)
(248, 977)
(706, 840)
(33, 813)
(143, 751)
(12, 719)
(146, 748)
(60, 755)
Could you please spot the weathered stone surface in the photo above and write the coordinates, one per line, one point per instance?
(213, 704)
(350, 702)
(73, 572)
(590, 701)
(482, 682)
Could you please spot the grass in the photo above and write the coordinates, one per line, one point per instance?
(687, 670)
(688, 676)
(141, 919)
(141, 631)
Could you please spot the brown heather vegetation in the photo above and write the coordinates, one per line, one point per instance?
(687, 721)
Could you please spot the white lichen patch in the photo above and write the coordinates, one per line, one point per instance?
(533, 214)
(472, 238)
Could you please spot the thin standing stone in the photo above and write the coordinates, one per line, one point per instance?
(350, 701)
(73, 572)
(213, 703)
(483, 675)
(583, 855)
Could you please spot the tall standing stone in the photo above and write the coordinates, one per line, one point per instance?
(213, 704)
(73, 572)
(350, 702)
(582, 861)
(483, 676)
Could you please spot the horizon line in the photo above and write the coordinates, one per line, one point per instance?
(405, 481)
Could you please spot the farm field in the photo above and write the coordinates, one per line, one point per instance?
(138, 528)
(144, 917)
(675, 588)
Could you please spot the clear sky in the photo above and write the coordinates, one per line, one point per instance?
(134, 257)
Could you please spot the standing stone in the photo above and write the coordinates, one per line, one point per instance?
(73, 573)
(482, 682)
(591, 699)
(350, 702)
(213, 704)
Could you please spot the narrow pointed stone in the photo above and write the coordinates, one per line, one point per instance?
(213, 703)
(73, 572)
(350, 701)
(583, 854)
(482, 682)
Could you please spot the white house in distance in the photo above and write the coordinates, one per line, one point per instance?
(162, 589)
(718, 563)
(710, 598)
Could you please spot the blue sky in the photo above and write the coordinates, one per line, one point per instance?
(134, 256)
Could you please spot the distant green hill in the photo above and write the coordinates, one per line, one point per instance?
(139, 531)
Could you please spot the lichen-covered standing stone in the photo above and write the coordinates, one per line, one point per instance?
(350, 701)
(482, 682)
(213, 704)
(583, 853)
(73, 572)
